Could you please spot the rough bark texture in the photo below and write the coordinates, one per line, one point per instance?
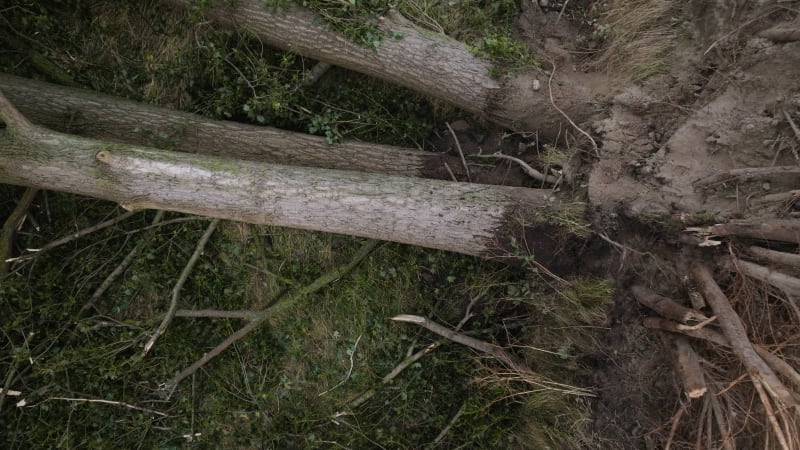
(427, 62)
(465, 218)
(103, 117)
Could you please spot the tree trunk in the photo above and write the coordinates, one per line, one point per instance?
(430, 63)
(467, 218)
(107, 118)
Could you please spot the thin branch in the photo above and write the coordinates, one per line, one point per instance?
(217, 314)
(111, 402)
(349, 371)
(533, 173)
(11, 225)
(72, 236)
(263, 315)
(450, 424)
(460, 152)
(120, 269)
(516, 366)
(176, 291)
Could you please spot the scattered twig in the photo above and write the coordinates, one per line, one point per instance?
(734, 330)
(776, 428)
(10, 227)
(667, 307)
(460, 152)
(533, 173)
(722, 423)
(676, 419)
(450, 171)
(110, 402)
(263, 315)
(552, 102)
(349, 371)
(176, 291)
(72, 236)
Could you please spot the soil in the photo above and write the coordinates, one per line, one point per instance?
(721, 105)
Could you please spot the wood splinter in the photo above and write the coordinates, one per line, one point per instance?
(667, 307)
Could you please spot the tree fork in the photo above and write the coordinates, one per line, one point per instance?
(480, 220)
(98, 116)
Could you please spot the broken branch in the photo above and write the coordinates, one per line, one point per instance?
(689, 369)
(786, 259)
(667, 307)
(11, 225)
(533, 173)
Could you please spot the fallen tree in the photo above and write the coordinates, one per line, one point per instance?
(478, 220)
(427, 62)
(98, 116)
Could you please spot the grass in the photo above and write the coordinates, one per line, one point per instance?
(288, 384)
(637, 36)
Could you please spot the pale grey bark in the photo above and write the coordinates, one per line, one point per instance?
(460, 217)
(427, 62)
(107, 118)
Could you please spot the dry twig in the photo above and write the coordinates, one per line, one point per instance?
(530, 171)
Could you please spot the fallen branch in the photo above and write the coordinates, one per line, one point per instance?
(667, 307)
(689, 368)
(517, 367)
(530, 171)
(772, 230)
(10, 227)
(706, 334)
(786, 259)
(734, 330)
(217, 314)
(176, 291)
(787, 198)
(780, 280)
(263, 315)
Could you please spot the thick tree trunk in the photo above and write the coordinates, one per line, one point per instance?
(466, 218)
(107, 118)
(430, 63)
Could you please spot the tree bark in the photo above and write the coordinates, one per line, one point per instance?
(424, 61)
(107, 118)
(461, 217)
